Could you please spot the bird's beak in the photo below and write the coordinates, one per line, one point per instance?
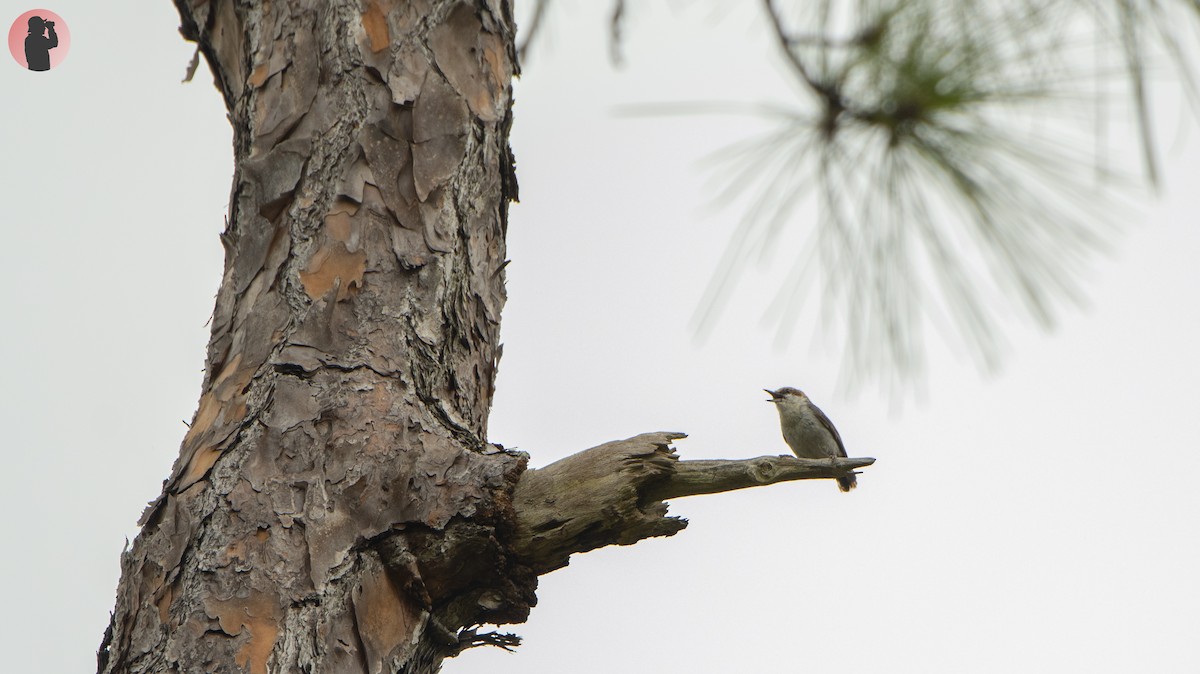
(774, 397)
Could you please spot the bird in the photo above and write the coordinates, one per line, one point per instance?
(806, 429)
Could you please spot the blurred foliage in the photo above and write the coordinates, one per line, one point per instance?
(960, 159)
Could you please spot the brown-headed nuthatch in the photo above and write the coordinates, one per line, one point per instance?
(807, 430)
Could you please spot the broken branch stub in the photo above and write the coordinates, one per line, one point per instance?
(613, 494)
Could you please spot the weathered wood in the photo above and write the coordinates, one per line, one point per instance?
(613, 494)
(711, 476)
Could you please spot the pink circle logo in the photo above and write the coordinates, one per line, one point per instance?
(39, 39)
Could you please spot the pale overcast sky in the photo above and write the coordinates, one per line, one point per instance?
(1042, 519)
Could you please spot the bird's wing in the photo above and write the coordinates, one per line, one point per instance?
(829, 426)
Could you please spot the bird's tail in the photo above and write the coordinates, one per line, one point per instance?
(846, 483)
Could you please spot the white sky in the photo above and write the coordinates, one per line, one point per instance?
(1039, 520)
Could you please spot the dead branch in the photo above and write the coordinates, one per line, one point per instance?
(613, 494)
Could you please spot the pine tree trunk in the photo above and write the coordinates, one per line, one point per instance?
(335, 506)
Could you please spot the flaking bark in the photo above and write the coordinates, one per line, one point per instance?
(335, 472)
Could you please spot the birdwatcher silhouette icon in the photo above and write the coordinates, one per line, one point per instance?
(38, 44)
